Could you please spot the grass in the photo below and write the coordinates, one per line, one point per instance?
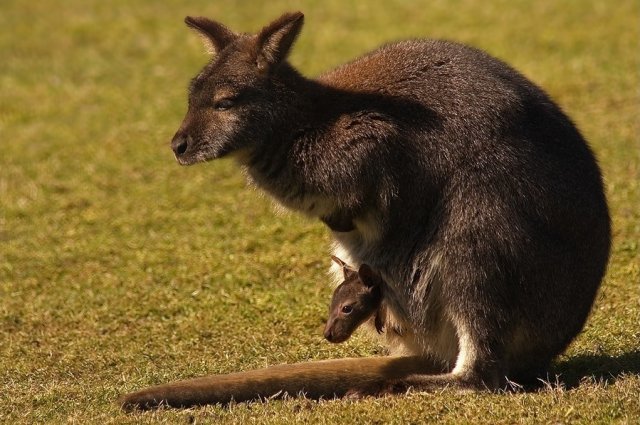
(120, 269)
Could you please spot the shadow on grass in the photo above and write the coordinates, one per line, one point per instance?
(601, 368)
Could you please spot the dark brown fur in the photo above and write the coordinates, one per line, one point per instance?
(458, 180)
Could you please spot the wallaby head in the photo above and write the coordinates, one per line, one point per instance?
(354, 301)
(233, 100)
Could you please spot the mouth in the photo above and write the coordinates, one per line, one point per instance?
(185, 159)
(329, 336)
(189, 157)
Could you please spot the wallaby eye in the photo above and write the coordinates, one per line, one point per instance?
(223, 104)
(347, 309)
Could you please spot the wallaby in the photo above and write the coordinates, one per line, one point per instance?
(357, 299)
(455, 178)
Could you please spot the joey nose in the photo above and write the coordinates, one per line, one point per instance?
(328, 334)
(179, 144)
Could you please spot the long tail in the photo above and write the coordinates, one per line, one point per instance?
(326, 378)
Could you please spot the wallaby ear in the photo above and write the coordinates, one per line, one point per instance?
(368, 276)
(275, 40)
(215, 35)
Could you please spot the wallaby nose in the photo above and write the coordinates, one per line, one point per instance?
(179, 144)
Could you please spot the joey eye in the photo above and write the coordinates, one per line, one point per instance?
(347, 309)
(223, 104)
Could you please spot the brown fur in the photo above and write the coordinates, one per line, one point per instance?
(459, 181)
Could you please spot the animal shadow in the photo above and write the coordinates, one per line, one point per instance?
(602, 368)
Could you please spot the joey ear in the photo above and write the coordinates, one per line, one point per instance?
(338, 261)
(215, 35)
(368, 276)
(347, 271)
(275, 40)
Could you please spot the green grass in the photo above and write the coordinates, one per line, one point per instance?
(120, 269)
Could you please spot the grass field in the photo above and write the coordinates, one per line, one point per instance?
(119, 269)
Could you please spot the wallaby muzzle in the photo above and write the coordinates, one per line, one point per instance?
(179, 144)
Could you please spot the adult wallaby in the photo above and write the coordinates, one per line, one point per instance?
(357, 299)
(449, 173)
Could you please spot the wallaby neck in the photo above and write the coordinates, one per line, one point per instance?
(291, 160)
(310, 103)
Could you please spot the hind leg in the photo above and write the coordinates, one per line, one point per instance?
(482, 327)
(480, 366)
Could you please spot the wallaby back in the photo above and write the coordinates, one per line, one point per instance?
(459, 181)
